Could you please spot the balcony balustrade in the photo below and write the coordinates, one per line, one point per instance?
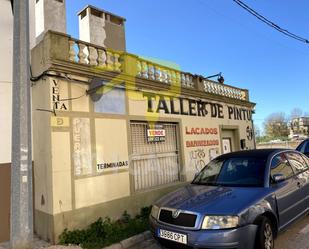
(68, 50)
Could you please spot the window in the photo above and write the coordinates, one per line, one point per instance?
(280, 165)
(240, 172)
(306, 150)
(297, 162)
(303, 147)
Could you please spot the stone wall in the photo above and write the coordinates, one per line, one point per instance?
(286, 144)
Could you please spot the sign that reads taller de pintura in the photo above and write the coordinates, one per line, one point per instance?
(155, 133)
(191, 107)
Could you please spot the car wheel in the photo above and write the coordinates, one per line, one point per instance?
(265, 234)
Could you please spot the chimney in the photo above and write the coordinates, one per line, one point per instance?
(102, 28)
(49, 15)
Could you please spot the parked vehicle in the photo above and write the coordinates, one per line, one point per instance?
(303, 147)
(239, 200)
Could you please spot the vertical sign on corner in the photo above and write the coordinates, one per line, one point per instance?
(58, 92)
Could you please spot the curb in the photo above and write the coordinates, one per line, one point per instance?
(131, 241)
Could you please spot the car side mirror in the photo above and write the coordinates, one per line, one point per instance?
(278, 178)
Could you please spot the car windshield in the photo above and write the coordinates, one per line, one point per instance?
(233, 172)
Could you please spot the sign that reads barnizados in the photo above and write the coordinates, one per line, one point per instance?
(155, 133)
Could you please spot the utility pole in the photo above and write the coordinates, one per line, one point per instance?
(21, 170)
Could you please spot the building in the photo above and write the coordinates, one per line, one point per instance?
(113, 131)
(6, 49)
(299, 127)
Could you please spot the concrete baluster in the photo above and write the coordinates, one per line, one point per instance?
(183, 80)
(151, 72)
(157, 73)
(144, 70)
(117, 63)
(178, 79)
(101, 58)
(81, 54)
(71, 50)
(138, 68)
(109, 61)
(93, 56)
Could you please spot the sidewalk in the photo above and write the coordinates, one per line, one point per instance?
(141, 241)
(148, 244)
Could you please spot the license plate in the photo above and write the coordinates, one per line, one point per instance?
(177, 237)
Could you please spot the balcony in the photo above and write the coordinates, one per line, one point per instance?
(67, 51)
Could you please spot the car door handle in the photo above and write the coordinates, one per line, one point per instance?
(299, 184)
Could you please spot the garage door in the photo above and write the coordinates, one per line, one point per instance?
(154, 163)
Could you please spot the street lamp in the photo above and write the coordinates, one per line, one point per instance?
(219, 76)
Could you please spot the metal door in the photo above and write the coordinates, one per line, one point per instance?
(227, 145)
(154, 163)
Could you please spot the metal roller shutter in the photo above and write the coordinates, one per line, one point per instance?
(154, 163)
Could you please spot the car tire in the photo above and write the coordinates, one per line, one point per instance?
(265, 234)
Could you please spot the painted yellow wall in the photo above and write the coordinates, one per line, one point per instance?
(42, 154)
(108, 143)
(195, 157)
(94, 190)
(111, 141)
(108, 140)
(80, 104)
(61, 170)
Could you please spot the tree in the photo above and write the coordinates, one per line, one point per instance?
(296, 113)
(257, 130)
(276, 125)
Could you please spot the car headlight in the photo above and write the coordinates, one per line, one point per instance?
(155, 211)
(220, 222)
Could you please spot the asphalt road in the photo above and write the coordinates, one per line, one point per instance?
(295, 237)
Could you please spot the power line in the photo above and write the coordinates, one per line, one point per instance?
(270, 23)
(246, 26)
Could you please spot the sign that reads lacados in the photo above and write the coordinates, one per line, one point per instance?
(155, 133)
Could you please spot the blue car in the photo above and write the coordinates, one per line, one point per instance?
(304, 147)
(240, 200)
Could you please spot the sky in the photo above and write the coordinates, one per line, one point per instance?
(210, 36)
